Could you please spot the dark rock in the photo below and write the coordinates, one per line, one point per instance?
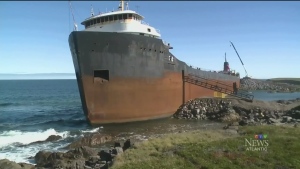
(105, 156)
(41, 158)
(117, 150)
(71, 159)
(294, 114)
(66, 164)
(26, 166)
(92, 140)
(126, 145)
(94, 159)
(49, 139)
(286, 119)
(117, 144)
(83, 151)
(6, 164)
(104, 166)
(53, 138)
(243, 122)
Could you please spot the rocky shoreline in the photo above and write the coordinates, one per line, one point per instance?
(241, 112)
(85, 153)
(256, 84)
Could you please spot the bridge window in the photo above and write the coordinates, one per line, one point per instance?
(115, 17)
(111, 18)
(120, 17)
(106, 18)
(95, 21)
(124, 16)
(98, 20)
(129, 16)
(92, 23)
(87, 24)
(102, 20)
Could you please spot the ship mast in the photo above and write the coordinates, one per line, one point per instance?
(122, 5)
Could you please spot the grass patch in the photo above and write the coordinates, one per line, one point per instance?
(295, 81)
(214, 149)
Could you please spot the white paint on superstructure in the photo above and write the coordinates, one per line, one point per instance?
(121, 21)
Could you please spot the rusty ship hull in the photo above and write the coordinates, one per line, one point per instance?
(125, 77)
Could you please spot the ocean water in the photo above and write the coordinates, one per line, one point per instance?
(264, 95)
(32, 110)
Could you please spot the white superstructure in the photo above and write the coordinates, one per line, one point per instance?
(121, 21)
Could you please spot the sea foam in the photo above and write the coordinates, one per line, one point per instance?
(16, 136)
(9, 141)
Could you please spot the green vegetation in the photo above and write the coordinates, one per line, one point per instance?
(215, 149)
(295, 81)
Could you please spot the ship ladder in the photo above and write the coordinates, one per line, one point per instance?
(217, 86)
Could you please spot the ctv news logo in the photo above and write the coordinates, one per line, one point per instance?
(259, 143)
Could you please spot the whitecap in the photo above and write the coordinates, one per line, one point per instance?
(17, 136)
(91, 130)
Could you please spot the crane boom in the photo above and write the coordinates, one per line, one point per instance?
(74, 22)
(239, 58)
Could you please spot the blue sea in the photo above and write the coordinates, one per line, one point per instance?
(32, 110)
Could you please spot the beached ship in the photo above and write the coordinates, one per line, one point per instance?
(126, 72)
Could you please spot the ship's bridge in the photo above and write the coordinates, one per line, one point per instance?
(121, 21)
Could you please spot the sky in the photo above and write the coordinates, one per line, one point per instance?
(34, 35)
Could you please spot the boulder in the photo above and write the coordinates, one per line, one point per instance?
(231, 117)
(117, 144)
(127, 144)
(84, 151)
(49, 139)
(105, 156)
(53, 138)
(117, 150)
(6, 164)
(92, 140)
(72, 159)
(41, 158)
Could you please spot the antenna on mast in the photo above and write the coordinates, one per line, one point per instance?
(127, 6)
(75, 25)
(92, 10)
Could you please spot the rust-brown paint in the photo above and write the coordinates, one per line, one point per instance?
(126, 99)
